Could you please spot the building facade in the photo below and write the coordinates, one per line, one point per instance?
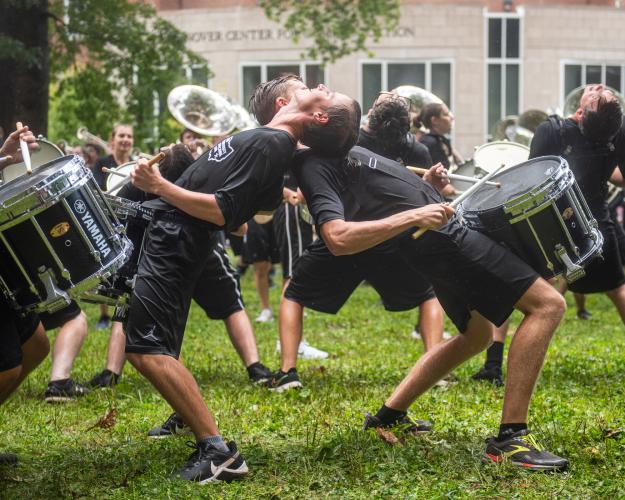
(487, 59)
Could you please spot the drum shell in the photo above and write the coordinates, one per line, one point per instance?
(60, 226)
(46, 153)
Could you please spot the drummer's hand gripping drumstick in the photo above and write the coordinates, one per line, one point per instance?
(126, 178)
(25, 152)
(464, 196)
(421, 171)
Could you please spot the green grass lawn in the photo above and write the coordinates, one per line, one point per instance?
(309, 443)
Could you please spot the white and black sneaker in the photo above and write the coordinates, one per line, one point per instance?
(62, 391)
(259, 373)
(172, 426)
(207, 464)
(281, 381)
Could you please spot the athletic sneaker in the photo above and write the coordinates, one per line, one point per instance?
(490, 374)
(306, 351)
(264, 316)
(523, 452)
(583, 314)
(259, 373)
(103, 323)
(281, 381)
(60, 391)
(8, 459)
(417, 336)
(207, 464)
(406, 425)
(106, 378)
(173, 425)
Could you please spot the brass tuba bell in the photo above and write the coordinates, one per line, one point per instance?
(571, 103)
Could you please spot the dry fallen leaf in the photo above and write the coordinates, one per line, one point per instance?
(108, 421)
(387, 436)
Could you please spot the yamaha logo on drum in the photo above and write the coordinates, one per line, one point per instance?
(80, 206)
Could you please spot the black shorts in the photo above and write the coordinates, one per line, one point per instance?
(218, 291)
(292, 236)
(259, 243)
(603, 275)
(15, 330)
(470, 272)
(323, 282)
(176, 249)
(58, 319)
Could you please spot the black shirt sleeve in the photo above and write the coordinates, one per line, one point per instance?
(417, 154)
(546, 141)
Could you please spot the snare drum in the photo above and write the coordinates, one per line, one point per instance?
(44, 154)
(58, 237)
(540, 214)
(115, 182)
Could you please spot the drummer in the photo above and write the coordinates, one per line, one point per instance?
(121, 141)
(592, 140)
(437, 118)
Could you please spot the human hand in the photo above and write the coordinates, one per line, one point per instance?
(437, 176)
(11, 146)
(433, 216)
(147, 177)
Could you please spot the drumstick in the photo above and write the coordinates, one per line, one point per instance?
(25, 153)
(421, 171)
(125, 180)
(113, 172)
(464, 196)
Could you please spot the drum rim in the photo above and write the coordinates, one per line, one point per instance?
(117, 169)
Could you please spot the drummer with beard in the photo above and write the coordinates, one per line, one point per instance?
(364, 200)
(592, 140)
(223, 189)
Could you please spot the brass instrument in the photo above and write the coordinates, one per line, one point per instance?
(84, 135)
(571, 103)
(418, 97)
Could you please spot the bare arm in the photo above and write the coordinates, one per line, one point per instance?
(617, 178)
(346, 238)
(200, 205)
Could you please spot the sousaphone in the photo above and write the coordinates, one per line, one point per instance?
(571, 103)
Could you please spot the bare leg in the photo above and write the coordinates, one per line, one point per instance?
(176, 384)
(242, 337)
(544, 308)
(67, 346)
(116, 356)
(580, 301)
(431, 321)
(618, 299)
(261, 280)
(440, 360)
(291, 326)
(34, 351)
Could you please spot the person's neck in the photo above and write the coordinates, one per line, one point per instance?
(121, 157)
(289, 123)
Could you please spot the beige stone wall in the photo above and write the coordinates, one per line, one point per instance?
(230, 36)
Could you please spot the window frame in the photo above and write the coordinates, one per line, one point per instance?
(384, 62)
(503, 61)
(584, 63)
(288, 62)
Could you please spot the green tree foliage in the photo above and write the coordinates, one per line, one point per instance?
(336, 27)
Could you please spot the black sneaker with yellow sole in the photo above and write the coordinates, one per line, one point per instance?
(522, 450)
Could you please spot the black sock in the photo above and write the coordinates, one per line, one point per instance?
(506, 430)
(494, 356)
(388, 416)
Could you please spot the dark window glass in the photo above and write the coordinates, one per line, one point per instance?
(593, 74)
(441, 81)
(613, 77)
(251, 78)
(572, 77)
(371, 84)
(494, 95)
(406, 74)
(494, 37)
(199, 75)
(314, 75)
(279, 70)
(512, 89)
(512, 37)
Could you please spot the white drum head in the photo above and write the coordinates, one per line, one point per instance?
(490, 156)
(114, 181)
(46, 153)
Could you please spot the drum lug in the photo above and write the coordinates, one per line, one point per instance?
(56, 298)
(573, 271)
(96, 256)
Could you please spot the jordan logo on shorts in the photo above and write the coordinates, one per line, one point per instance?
(221, 151)
(150, 335)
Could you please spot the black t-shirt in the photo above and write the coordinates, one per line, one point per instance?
(410, 153)
(100, 177)
(592, 164)
(245, 173)
(367, 187)
(439, 147)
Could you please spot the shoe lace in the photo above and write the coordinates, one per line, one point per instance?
(172, 421)
(196, 456)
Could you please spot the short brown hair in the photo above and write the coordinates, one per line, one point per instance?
(339, 135)
(263, 100)
(601, 125)
(429, 111)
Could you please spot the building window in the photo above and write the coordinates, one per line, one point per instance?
(197, 74)
(377, 76)
(577, 74)
(253, 74)
(503, 67)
